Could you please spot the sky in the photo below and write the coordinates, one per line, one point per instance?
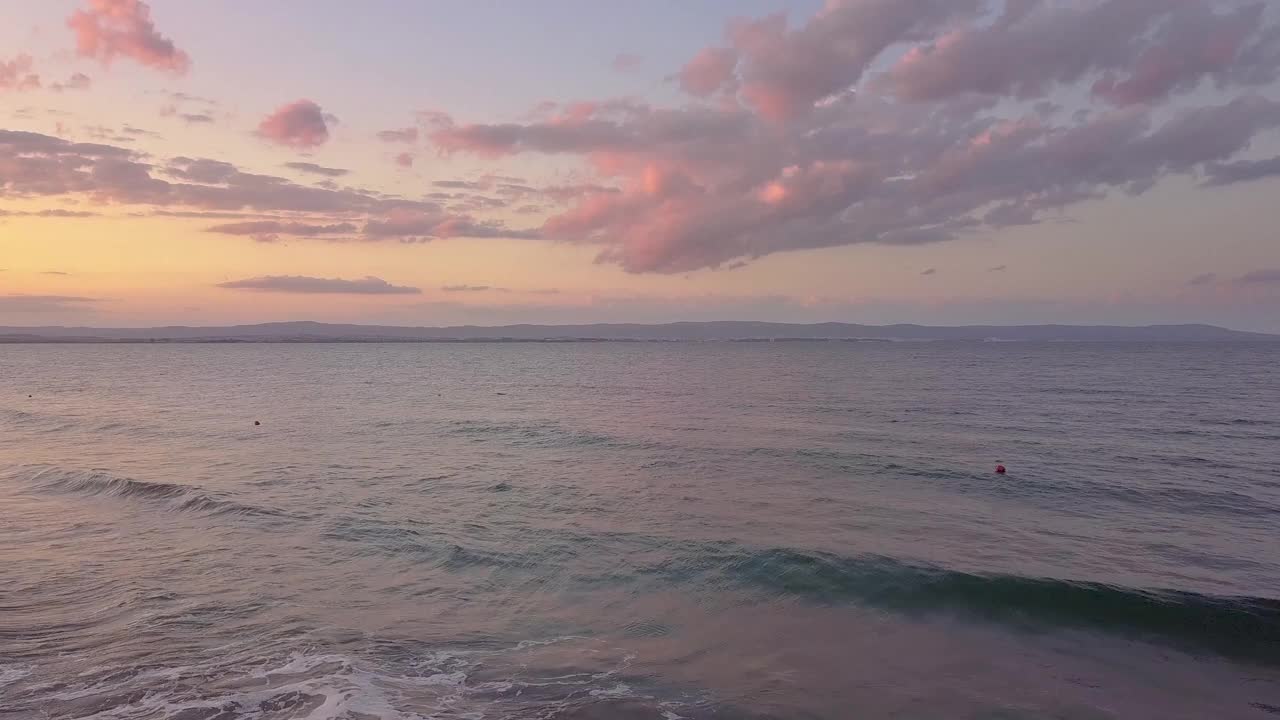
(483, 162)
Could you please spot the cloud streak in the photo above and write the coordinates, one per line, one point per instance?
(34, 166)
(44, 303)
(301, 284)
(1270, 276)
(314, 169)
(53, 213)
(1242, 171)
(403, 135)
(271, 230)
(77, 81)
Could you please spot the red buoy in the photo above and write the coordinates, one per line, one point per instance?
(999, 469)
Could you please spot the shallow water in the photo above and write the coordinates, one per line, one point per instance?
(715, 530)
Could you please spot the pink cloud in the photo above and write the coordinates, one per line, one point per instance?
(701, 187)
(299, 124)
(123, 28)
(709, 71)
(893, 122)
(782, 72)
(405, 160)
(16, 74)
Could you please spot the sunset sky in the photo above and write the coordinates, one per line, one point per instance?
(477, 161)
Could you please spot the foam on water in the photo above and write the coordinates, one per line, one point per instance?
(317, 685)
(13, 673)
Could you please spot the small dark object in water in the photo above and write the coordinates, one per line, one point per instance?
(500, 393)
(255, 422)
(1000, 470)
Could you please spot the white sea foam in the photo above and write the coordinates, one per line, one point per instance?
(10, 674)
(343, 691)
(324, 686)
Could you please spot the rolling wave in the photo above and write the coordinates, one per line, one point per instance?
(1244, 627)
(178, 497)
(1234, 626)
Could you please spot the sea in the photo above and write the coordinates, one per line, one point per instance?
(640, 531)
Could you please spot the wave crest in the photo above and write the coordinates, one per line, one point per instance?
(178, 497)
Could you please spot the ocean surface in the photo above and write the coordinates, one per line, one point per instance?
(640, 531)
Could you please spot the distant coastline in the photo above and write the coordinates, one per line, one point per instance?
(723, 331)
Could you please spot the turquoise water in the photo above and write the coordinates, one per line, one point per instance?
(696, 530)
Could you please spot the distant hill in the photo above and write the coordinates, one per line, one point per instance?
(681, 331)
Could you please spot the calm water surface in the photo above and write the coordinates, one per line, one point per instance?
(774, 530)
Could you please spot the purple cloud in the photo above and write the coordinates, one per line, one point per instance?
(1145, 50)
(312, 285)
(33, 165)
(1242, 171)
(263, 229)
(1270, 276)
(300, 124)
(77, 81)
(54, 213)
(419, 226)
(459, 184)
